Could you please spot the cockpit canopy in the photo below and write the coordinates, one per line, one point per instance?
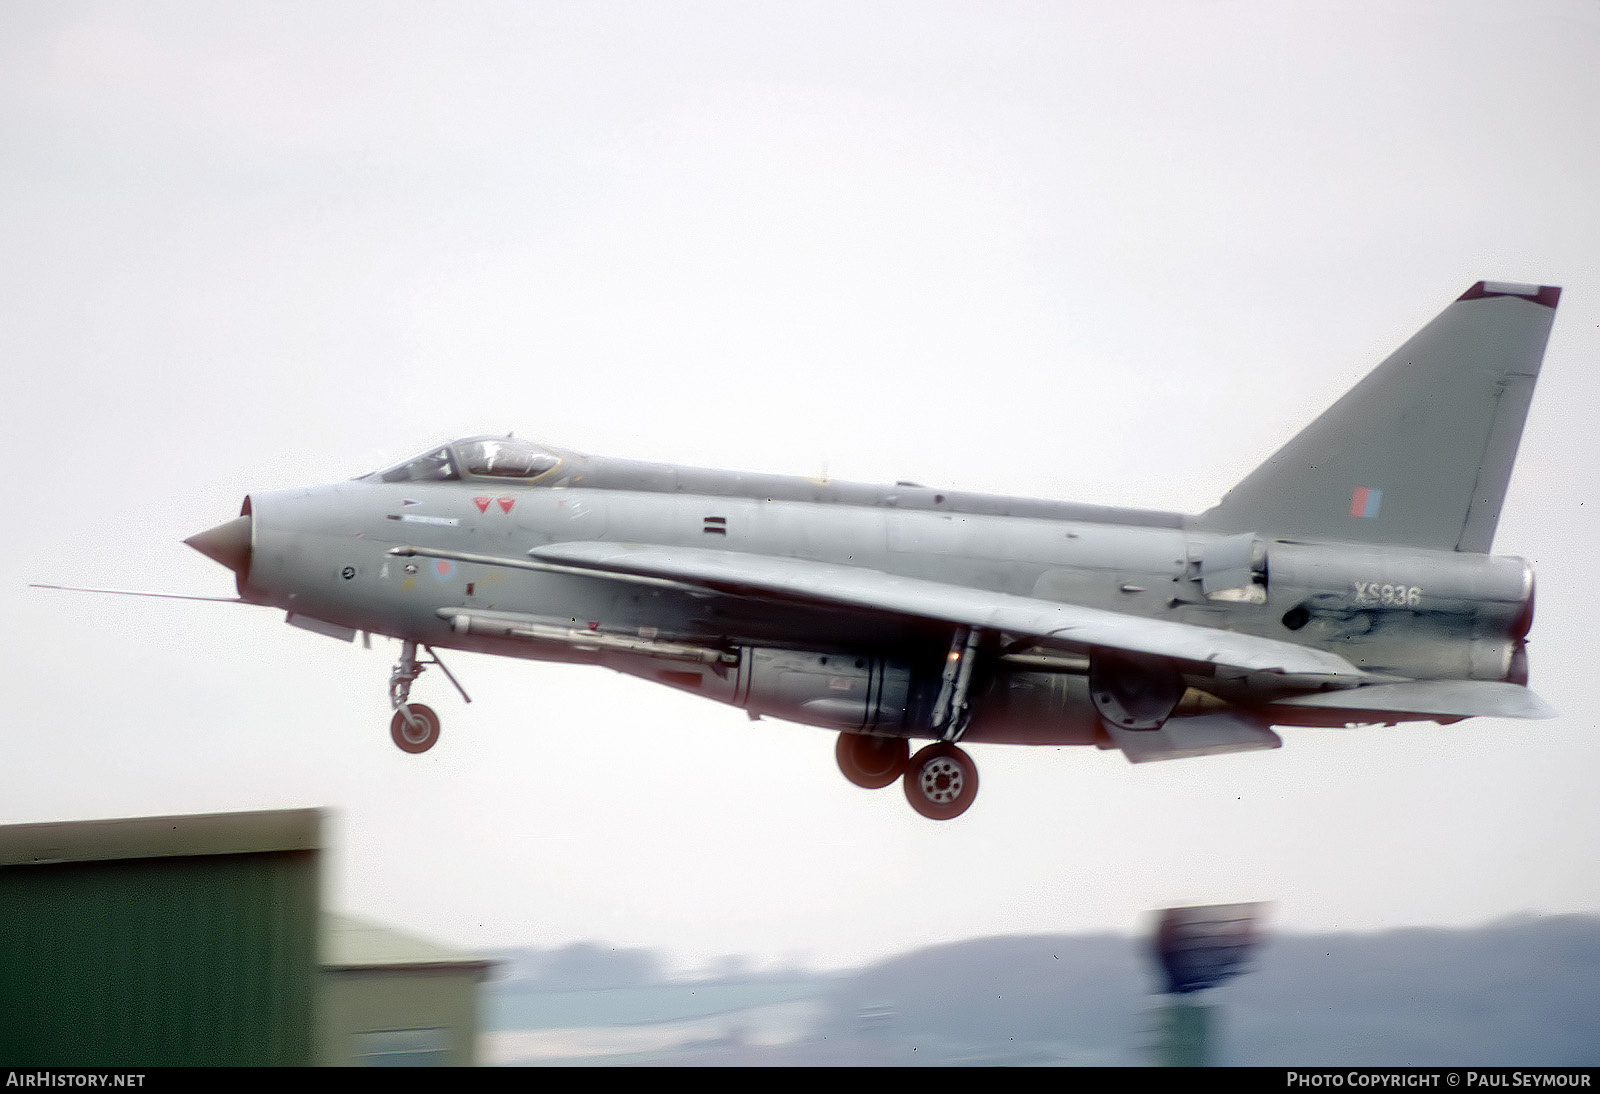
(473, 457)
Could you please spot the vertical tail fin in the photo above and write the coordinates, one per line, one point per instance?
(1419, 453)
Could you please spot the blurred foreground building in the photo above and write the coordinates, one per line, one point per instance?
(200, 940)
(393, 1000)
(160, 941)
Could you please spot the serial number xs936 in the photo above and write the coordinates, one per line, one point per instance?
(1390, 596)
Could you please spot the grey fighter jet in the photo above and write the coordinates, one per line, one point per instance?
(1345, 581)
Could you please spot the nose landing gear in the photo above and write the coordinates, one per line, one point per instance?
(415, 727)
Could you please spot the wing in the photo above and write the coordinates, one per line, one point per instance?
(820, 583)
(764, 577)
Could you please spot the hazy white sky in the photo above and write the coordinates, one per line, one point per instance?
(1109, 253)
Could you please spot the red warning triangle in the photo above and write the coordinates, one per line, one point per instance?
(482, 504)
(506, 504)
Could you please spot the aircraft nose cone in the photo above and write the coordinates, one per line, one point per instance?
(227, 543)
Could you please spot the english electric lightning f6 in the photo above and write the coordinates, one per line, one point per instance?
(1347, 580)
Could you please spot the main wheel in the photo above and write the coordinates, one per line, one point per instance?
(871, 762)
(415, 738)
(941, 781)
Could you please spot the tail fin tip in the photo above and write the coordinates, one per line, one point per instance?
(1419, 453)
(1548, 295)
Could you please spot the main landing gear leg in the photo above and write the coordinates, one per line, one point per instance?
(941, 780)
(415, 727)
(952, 710)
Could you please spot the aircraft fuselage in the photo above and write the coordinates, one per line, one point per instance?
(324, 553)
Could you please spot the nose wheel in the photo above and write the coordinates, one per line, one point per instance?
(415, 727)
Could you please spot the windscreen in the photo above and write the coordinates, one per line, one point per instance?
(431, 466)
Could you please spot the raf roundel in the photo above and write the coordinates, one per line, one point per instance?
(1365, 502)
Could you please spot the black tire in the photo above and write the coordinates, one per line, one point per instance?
(941, 781)
(415, 738)
(871, 762)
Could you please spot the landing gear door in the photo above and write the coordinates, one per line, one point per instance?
(1234, 568)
